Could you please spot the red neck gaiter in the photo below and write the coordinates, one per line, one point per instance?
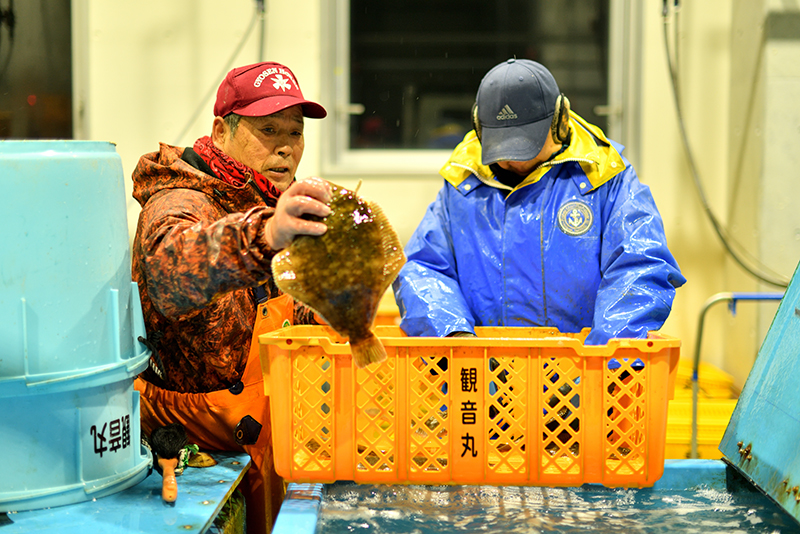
(231, 171)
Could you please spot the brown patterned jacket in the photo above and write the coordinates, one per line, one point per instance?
(198, 255)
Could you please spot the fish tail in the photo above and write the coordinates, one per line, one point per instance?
(367, 351)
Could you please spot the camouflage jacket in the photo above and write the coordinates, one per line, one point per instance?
(198, 256)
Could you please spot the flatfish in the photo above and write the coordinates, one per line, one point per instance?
(343, 273)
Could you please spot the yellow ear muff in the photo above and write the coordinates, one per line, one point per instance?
(476, 124)
(559, 128)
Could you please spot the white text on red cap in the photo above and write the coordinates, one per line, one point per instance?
(272, 70)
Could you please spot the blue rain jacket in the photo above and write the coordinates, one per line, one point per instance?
(579, 243)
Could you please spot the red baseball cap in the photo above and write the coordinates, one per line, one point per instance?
(262, 89)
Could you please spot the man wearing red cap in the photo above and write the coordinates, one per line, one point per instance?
(212, 218)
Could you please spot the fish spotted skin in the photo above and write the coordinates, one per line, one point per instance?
(343, 273)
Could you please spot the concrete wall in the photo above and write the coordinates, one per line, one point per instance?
(703, 71)
(143, 68)
(763, 158)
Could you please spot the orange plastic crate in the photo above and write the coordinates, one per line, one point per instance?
(521, 406)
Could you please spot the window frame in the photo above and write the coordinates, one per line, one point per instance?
(338, 159)
(337, 156)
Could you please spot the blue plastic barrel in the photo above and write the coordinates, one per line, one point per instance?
(70, 319)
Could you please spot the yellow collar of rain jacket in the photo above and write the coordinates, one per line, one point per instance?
(588, 146)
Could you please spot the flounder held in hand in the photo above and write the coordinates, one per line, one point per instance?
(343, 273)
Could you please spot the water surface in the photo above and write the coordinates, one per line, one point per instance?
(376, 509)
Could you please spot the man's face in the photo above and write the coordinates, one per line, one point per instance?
(524, 168)
(271, 145)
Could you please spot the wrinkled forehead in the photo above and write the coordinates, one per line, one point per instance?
(294, 114)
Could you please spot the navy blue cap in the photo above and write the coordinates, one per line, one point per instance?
(516, 101)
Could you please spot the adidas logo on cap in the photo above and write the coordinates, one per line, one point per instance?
(506, 114)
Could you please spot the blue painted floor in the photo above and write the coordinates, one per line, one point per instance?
(140, 509)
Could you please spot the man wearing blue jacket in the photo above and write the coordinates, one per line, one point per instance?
(540, 222)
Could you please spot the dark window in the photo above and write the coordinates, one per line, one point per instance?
(415, 65)
(35, 69)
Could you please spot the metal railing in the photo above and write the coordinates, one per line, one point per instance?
(732, 299)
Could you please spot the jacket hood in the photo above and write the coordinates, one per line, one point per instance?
(158, 171)
(599, 158)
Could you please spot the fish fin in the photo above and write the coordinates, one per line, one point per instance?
(367, 351)
(392, 249)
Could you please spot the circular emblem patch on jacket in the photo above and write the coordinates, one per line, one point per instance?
(575, 218)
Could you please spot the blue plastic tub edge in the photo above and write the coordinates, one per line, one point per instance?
(300, 509)
(690, 474)
(14, 147)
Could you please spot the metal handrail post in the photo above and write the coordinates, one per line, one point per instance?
(732, 298)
